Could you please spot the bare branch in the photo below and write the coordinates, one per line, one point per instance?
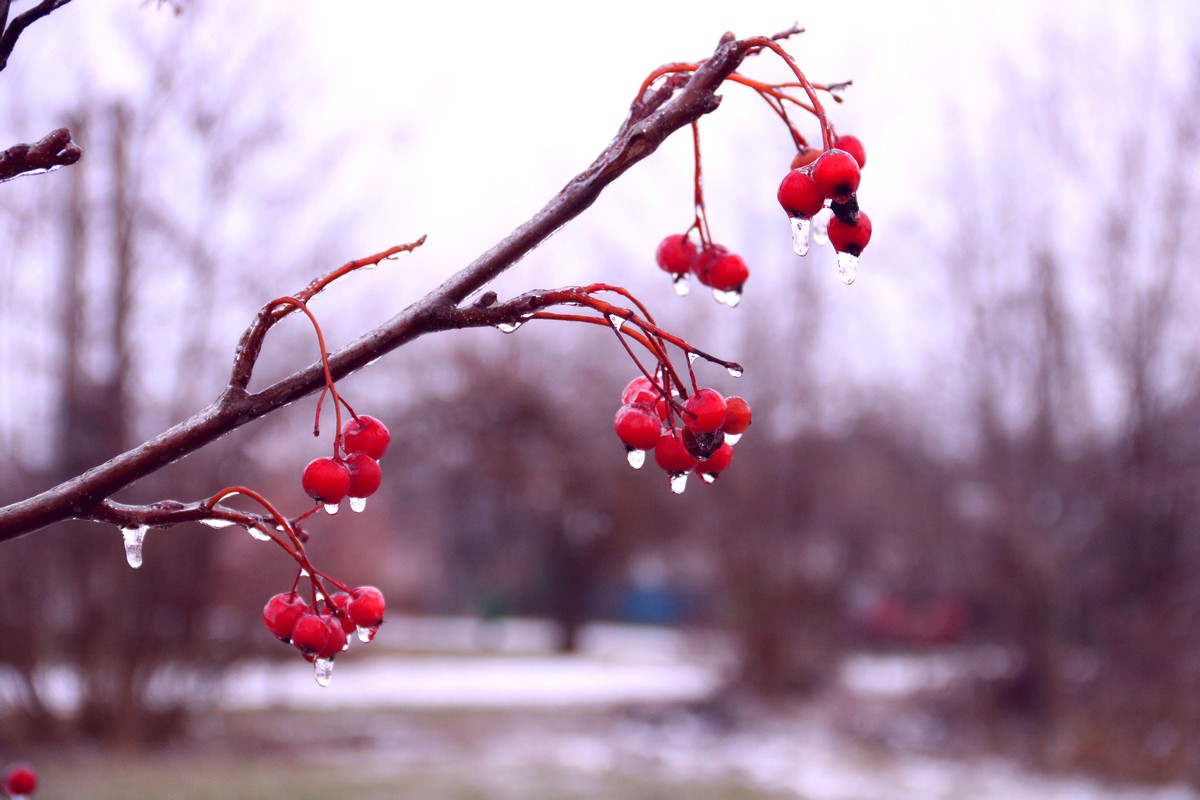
(54, 150)
(8, 40)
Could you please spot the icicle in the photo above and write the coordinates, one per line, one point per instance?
(801, 226)
(678, 482)
(358, 504)
(323, 670)
(133, 544)
(635, 457)
(331, 508)
(847, 267)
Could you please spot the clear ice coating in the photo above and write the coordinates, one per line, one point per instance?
(801, 226)
(692, 356)
(728, 298)
(133, 544)
(682, 287)
(847, 267)
(732, 438)
(216, 523)
(358, 504)
(259, 533)
(820, 229)
(509, 327)
(678, 482)
(616, 320)
(708, 477)
(331, 508)
(635, 458)
(735, 371)
(367, 632)
(323, 670)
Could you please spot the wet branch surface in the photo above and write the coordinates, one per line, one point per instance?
(653, 117)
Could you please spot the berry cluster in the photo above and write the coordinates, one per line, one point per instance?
(354, 471)
(320, 635)
(20, 781)
(693, 434)
(828, 179)
(711, 264)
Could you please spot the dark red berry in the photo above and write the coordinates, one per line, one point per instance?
(281, 613)
(805, 157)
(326, 480)
(737, 415)
(637, 427)
(20, 780)
(704, 261)
(675, 254)
(641, 390)
(718, 462)
(727, 273)
(799, 195)
(341, 602)
(704, 412)
(850, 239)
(853, 146)
(701, 446)
(336, 633)
(363, 434)
(836, 175)
(365, 475)
(367, 606)
(672, 456)
(311, 635)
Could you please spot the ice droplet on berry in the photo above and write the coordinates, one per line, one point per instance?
(133, 544)
(847, 267)
(678, 482)
(216, 523)
(801, 226)
(735, 371)
(708, 477)
(259, 533)
(682, 287)
(820, 229)
(358, 504)
(323, 670)
(367, 632)
(732, 438)
(729, 298)
(331, 508)
(635, 458)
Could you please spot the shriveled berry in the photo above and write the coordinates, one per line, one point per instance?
(326, 480)
(672, 456)
(637, 427)
(799, 195)
(367, 606)
(311, 635)
(718, 462)
(281, 613)
(737, 415)
(20, 780)
(365, 475)
(854, 146)
(675, 254)
(704, 411)
(805, 157)
(836, 175)
(640, 391)
(850, 239)
(341, 602)
(363, 434)
(701, 446)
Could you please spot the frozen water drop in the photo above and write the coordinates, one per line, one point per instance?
(735, 371)
(367, 632)
(801, 226)
(358, 504)
(509, 327)
(682, 287)
(616, 320)
(372, 265)
(678, 482)
(134, 537)
(708, 477)
(331, 508)
(820, 229)
(259, 533)
(213, 522)
(732, 438)
(847, 267)
(635, 458)
(692, 356)
(729, 298)
(323, 669)
(304, 573)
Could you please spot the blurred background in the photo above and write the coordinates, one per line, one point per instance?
(954, 556)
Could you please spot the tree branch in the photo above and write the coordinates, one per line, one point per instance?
(652, 119)
(52, 151)
(8, 40)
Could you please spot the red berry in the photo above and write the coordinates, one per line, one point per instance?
(365, 475)
(20, 779)
(836, 175)
(341, 602)
(718, 462)
(281, 613)
(705, 259)
(672, 456)
(727, 273)
(799, 195)
(737, 415)
(805, 157)
(363, 434)
(850, 239)
(637, 427)
(367, 606)
(675, 254)
(641, 390)
(311, 634)
(336, 641)
(704, 412)
(853, 146)
(326, 480)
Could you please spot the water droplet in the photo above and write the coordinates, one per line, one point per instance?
(820, 229)
(304, 573)
(678, 482)
(372, 265)
(367, 633)
(708, 477)
(682, 287)
(692, 356)
(331, 508)
(847, 267)
(212, 522)
(133, 544)
(323, 669)
(800, 230)
(616, 320)
(730, 298)
(509, 327)
(732, 438)
(358, 504)
(259, 533)
(635, 458)
(735, 371)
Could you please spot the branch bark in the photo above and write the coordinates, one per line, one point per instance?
(652, 118)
